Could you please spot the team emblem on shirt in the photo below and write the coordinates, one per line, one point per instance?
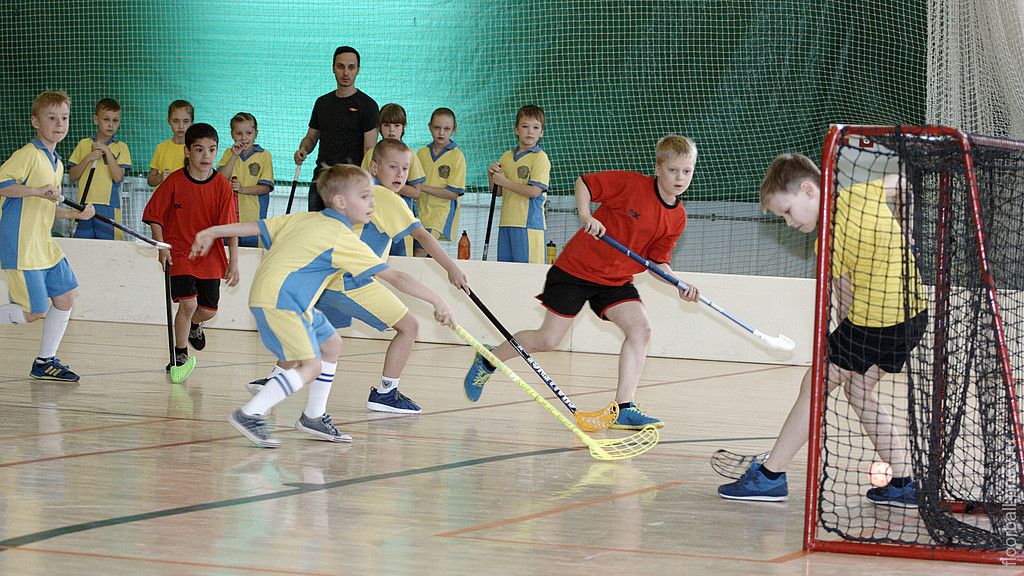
(444, 170)
(633, 213)
(524, 173)
(254, 169)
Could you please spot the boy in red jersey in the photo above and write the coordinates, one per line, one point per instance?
(646, 215)
(189, 200)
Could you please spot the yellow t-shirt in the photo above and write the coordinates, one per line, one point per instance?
(304, 250)
(532, 168)
(256, 168)
(446, 170)
(25, 241)
(869, 245)
(168, 156)
(102, 188)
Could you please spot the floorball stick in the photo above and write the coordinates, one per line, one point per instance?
(178, 373)
(604, 449)
(119, 226)
(295, 183)
(589, 421)
(85, 190)
(780, 342)
(490, 218)
(731, 465)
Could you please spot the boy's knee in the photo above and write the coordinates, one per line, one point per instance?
(408, 325)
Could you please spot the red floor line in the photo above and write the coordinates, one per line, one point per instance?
(93, 429)
(170, 562)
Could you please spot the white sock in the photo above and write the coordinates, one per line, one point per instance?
(11, 314)
(387, 384)
(276, 389)
(54, 325)
(319, 390)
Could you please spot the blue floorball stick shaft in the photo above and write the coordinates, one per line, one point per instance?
(781, 342)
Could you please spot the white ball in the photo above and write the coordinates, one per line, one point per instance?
(879, 474)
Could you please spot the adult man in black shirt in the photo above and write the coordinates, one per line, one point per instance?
(344, 122)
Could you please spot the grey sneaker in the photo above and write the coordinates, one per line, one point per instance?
(253, 428)
(256, 385)
(321, 428)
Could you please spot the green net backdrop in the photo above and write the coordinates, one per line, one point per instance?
(746, 79)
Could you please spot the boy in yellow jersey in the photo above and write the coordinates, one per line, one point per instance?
(170, 154)
(34, 264)
(348, 297)
(251, 171)
(445, 167)
(522, 176)
(305, 251)
(880, 327)
(112, 162)
(391, 124)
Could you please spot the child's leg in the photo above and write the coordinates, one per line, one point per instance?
(552, 330)
(794, 432)
(320, 385)
(183, 320)
(401, 345)
(55, 324)
(631, 318)
(876, 420)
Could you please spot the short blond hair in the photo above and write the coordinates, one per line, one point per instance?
(673, 146)
(386, 146)
(785, 174)
(48, 99)
(338, 179)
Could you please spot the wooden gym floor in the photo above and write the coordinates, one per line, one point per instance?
(127, 473)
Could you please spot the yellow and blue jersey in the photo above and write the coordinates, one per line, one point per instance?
(532, 168)
(304, 250)
(446, 170)
(102, 189)
(255, 168)
(25, 223)
(168, 156)
(392, 221)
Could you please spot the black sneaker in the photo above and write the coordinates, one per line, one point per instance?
(196, 337)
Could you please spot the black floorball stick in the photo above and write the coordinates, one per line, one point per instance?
(781, 342)
(588, 421)
(88, 182)
(490, 217)
(295, 183)
(119, 226)
(178, 372)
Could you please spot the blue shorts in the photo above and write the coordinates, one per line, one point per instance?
(517, 244)
(290, 335)
(374, 304)
(32, 289)
(93, 228)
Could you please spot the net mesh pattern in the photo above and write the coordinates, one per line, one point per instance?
(746, 79)
(954, 405)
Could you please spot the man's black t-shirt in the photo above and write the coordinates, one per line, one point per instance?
(342, 123)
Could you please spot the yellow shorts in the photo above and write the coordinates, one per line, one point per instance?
(291, 335)
(374, 304)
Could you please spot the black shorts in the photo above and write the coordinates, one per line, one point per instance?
(857, 348)
(565, 294)
(206, 292)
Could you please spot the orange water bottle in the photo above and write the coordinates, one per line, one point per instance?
(464, 246)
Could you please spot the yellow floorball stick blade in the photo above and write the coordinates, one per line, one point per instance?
(597, 421)
(179, 373)
(606, 449)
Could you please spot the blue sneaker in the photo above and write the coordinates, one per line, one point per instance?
(477, 376)
(393, 401)
(753, 485)
(632, 418)
(890, 495)
(52, 369)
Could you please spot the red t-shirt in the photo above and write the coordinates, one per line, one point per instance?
(633, 213)
(183, 207)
